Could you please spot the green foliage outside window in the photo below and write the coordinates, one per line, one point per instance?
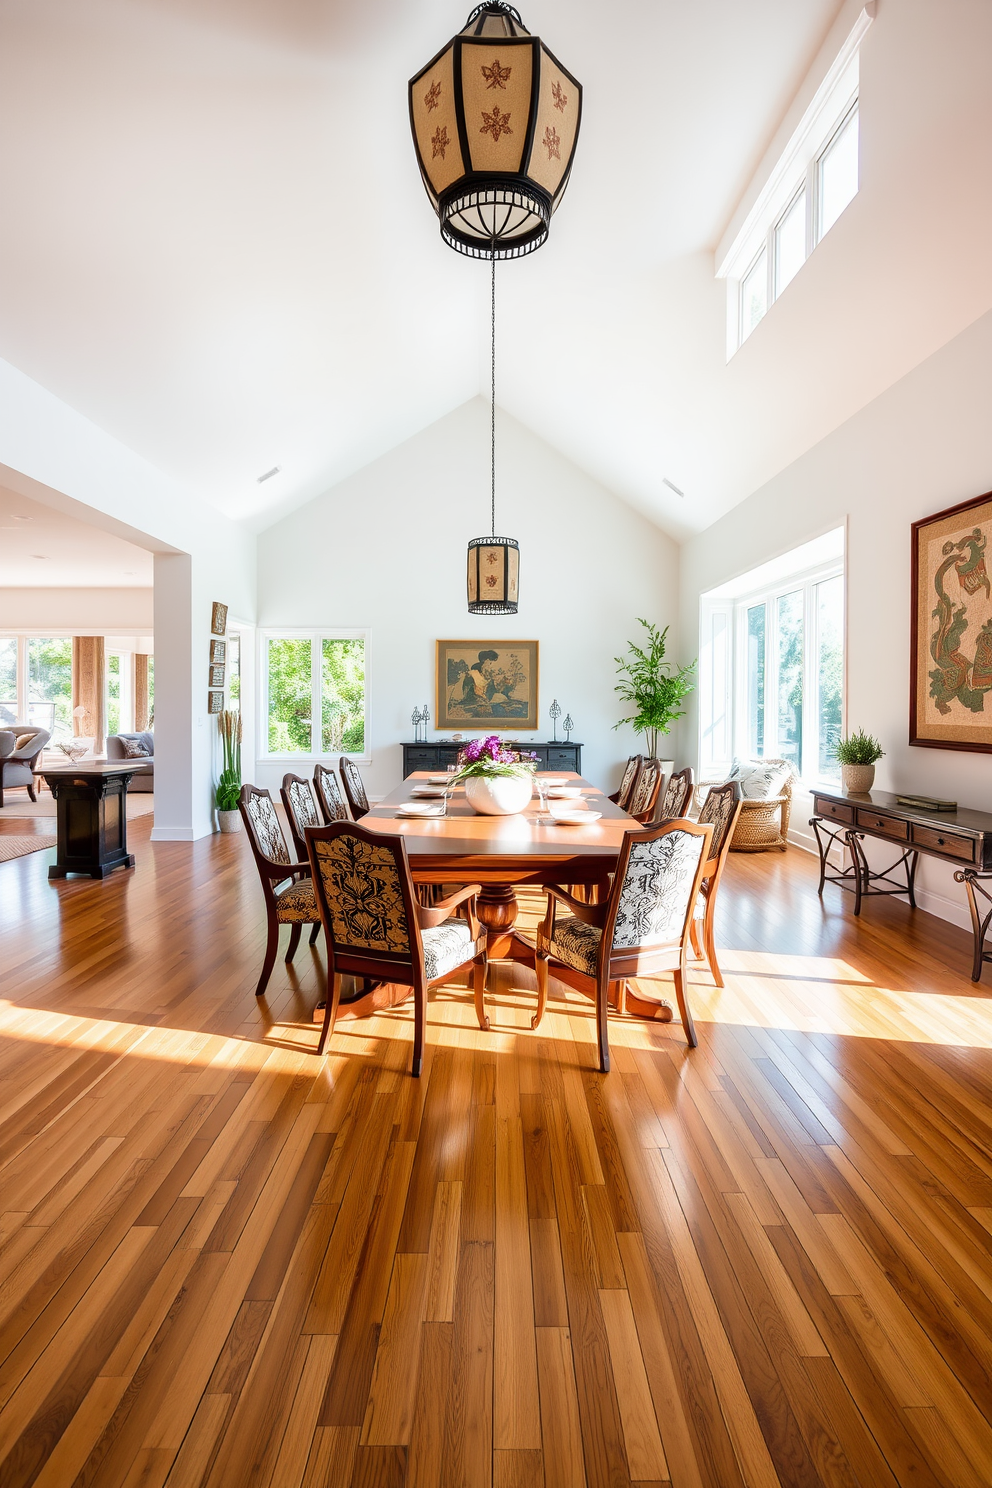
(113, 692)
(290, 696)
(50, 679)
(342, 697)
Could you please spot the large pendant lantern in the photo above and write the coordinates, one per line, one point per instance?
(495, 118)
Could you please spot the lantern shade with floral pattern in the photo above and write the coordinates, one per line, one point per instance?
(495, 118)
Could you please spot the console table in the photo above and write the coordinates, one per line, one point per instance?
(438, 755)
(962, 837)
(91, 801)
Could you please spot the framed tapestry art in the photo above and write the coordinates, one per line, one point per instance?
(486, 684)
(218, 618)
(950, 705)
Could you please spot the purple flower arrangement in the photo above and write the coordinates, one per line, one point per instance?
(490, 756)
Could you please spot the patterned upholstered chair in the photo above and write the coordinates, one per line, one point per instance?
(354, 788)
(640, 931)
(622, 797)
(301, 812)
(294, 904)
(644, 797)
(375, 928)
(721, 810)
(678, 794)
(329, 797)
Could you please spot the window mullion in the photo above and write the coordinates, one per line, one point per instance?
(316, 727)
(811, 702)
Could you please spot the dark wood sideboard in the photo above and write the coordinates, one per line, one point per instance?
(440, 753)
(963, 838)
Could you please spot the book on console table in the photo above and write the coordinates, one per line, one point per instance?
(927, 803)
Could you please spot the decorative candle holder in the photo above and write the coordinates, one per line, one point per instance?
(568, 726)
(555, 712)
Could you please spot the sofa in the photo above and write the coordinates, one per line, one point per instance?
(116, 751)
(20, 748)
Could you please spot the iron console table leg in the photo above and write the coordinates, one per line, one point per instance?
(979, 923)
(861, 879)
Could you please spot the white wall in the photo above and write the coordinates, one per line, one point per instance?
(386, 549)
(922, 446)
(73, 611)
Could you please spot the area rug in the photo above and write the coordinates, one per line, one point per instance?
(19, 847)
(19, 805)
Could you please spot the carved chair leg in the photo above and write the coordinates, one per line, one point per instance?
(602, 1021)
(680, 991)
(330, 1012)
(621, 996)
(315, 932)
(543, 976)
(419, 1027)
(709, 941)
(271, 946)
(694, 937)
(294, 940)
(479, 969)
(31, 792)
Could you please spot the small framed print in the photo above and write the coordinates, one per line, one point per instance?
(215, 701)
(218, 653)
(218, 619)
(216, 676)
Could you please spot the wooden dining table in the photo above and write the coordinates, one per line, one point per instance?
(503, 852)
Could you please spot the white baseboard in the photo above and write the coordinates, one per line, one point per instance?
(176, 834)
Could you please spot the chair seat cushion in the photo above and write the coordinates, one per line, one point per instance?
(446, 947)
(297, 905)
(574, 943)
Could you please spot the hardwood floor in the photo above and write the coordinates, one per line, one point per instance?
(225, 1263)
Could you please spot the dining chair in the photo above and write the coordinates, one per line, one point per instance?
(632, 769)
(328, 792)
(721, 809)
(354, 787)
(644, 797)
(293, 905)
(678, 794)
(375, 928)
(641, 930)
(301, 811)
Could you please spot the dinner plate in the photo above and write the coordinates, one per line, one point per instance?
(419, 808)
(577, 818)
(438, 779)
(565, 793)
(427, 790)
(552, 782)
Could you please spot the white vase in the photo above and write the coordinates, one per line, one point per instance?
(498, 795)
(858, 779)
(230, 821)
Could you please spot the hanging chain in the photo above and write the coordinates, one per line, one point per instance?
(493, 391)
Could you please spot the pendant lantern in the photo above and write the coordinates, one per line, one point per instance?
(495, 118)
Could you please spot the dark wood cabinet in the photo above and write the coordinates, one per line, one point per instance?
(441, 753)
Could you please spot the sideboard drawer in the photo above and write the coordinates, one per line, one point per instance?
(561, 759)
(888, 826)
(424, 758)
(833, 810)
(947, 843)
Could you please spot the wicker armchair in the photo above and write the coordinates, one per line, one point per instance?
(764, 821)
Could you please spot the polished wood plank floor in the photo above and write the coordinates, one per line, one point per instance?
(223, 1262)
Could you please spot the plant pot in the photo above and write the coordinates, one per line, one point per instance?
(857, 779)
(498, 795)
(230, 821)
(667, 768)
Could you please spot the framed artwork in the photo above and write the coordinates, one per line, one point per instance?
(486, 684)
(218, 619)
(218, 653)
(216, 676)
(215, 702)
(950, 704)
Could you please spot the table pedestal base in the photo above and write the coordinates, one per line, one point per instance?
(92, 824)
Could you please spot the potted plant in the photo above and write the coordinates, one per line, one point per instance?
(497, 781)
(857, 755)
(229, 784)
(648, 682)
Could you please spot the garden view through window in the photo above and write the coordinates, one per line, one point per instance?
(315, 693)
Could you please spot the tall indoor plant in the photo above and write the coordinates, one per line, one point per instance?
(497, 781)
(229, 784)
(648, 682)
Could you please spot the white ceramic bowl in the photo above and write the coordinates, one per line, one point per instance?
(572, 813)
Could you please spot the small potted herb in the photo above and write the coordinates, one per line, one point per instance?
(229, 784)
(497, 781)
(858, 754)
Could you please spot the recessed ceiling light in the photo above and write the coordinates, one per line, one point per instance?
(268, 474)
(671, 486)
(40, 555)
(22, 519)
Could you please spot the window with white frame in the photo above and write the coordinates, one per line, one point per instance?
(814, 179)
(771, 668)
(314, 693)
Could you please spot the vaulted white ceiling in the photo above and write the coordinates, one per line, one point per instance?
(217, 247)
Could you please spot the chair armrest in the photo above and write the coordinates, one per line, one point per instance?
(436, 914)
(615, 798)
(279, 871)
(591, 914)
